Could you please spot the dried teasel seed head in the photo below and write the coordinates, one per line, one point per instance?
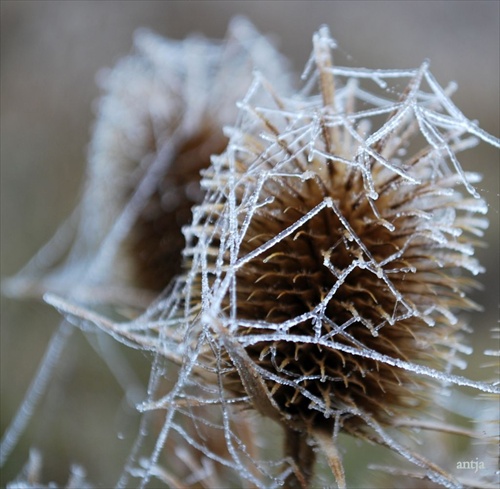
(163, 119)
(335, 245)
(323, 276)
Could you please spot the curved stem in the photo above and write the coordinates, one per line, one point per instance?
(303, 457)
(36, 390)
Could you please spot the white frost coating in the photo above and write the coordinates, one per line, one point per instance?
(279, 142)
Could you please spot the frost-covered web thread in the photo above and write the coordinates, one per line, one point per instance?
(153, 101)
(318, 238)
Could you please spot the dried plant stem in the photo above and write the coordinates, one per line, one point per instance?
(36, 390)
(302, 454)
(324, 63)
(329, 449)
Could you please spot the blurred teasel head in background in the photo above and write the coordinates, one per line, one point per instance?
(159, 119)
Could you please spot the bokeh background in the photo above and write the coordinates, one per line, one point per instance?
(50, 54)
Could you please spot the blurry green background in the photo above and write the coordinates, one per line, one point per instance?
(50, 54)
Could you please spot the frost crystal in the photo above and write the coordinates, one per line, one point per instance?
(322, 280)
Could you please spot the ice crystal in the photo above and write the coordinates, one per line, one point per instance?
(321, 286)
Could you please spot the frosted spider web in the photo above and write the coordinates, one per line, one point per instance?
(161, 81)
(196, 330)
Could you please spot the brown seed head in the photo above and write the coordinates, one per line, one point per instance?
(343, 254)
(160, 120)
(323, 272)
